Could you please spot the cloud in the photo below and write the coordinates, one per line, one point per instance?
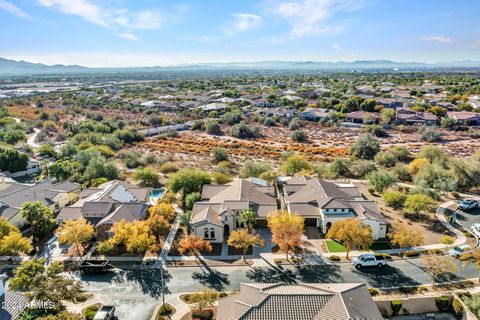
(13, 9)
(312, 17)
(81, 8)
(243, 22)
(128, 35)
(122, 21)
(336, 46)
(150, 19)
(439, 39)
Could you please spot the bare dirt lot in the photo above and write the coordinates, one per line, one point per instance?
(428, 225)
(323, 144)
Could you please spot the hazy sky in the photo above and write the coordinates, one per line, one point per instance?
(161, 32)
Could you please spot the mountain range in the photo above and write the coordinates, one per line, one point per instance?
(16, 68)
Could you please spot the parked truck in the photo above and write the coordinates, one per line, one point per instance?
(369, 260)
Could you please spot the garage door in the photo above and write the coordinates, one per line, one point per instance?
(311, 222)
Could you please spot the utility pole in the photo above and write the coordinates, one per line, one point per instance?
(163, 287)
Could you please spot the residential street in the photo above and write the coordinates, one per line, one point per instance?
(140, 289)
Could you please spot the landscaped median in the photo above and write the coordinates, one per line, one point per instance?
(457, 298)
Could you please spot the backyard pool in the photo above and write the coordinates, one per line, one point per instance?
(156, 194)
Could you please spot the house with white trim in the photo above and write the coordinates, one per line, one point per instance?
(218, 211)
(322, 203)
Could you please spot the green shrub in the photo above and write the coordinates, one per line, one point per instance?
(222, 294)
(457, 307)
(371, 190)
(299, 136)
(373, 292)
(168, 167)
(90, 311)
(334, 258)
(396, 306)
(443, 304)
(394, 199)
(206, 314)
(165, 309)
(455, 194)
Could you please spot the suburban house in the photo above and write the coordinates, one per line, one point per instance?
(214, 106)
(362, 117)
(13, 303)
(218, 211)
(108, 203)
(406, 115)
(189, 104)
(366, 90)
(308, 301)
(465, 117)
(322, 203)
(314, 114)
(13, 195)
(281, 112)
(389, 102)
(262, 102)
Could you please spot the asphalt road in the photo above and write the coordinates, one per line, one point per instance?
(468, 218)
(137, 291)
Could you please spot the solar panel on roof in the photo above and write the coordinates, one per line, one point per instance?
(120, 194)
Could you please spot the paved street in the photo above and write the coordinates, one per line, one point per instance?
(137, 291)
(468, 218)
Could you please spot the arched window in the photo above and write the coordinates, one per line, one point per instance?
(212, 233)
(205, 233)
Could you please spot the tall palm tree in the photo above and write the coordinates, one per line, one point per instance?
(248, 217)
(185, 219)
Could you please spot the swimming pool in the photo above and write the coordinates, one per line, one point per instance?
(156, 194)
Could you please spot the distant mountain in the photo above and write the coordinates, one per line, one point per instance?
(11, 67)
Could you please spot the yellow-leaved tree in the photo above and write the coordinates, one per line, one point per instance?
(287, 230)
(352, 233)
(76, 233)
(405, 237)
(242, 239)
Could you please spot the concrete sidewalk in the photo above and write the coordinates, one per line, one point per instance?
(162, 258)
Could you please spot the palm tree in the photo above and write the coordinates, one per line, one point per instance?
(248, 217)
(185, 219)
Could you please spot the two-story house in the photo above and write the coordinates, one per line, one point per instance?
(322, 203)
(218, 211)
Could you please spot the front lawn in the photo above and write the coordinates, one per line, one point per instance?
(334, 247)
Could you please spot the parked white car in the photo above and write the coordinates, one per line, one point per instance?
(459, 250)
(476, 229)
(467, 204)
(369, 260)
